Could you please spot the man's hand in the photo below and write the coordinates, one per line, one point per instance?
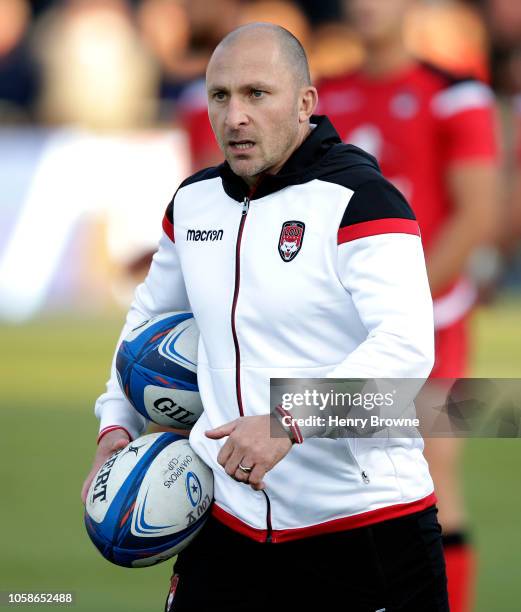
(250, 445)
(109, 444)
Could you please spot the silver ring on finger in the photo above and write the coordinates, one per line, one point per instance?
(244, 469)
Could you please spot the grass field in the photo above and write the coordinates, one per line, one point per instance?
(50, 374)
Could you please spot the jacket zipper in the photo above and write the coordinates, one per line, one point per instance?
(245, 208)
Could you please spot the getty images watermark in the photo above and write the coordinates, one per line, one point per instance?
(397, 408)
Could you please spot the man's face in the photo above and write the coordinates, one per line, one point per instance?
(376, 20)
(253, 104)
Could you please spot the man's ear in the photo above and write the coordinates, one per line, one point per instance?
(307, 103)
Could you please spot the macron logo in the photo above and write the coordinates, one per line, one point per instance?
(204, 235)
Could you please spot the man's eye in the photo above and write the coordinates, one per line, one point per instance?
(257, 93)
(219, 96)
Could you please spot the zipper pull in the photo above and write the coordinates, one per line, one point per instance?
(245, 205)
(365, 477)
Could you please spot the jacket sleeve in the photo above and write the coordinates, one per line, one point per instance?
(162, 291)
(381, 263)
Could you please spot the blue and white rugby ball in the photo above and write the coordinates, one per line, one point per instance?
(148, 501)
(156, 366)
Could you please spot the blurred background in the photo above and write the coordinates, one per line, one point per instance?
(102, 114)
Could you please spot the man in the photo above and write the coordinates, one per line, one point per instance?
(312, 522)
(434, 137)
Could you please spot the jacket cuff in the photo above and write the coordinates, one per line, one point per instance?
(106, 430)
(288, 424)
(116, 414)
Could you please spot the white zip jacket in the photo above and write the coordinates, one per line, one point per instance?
(319, 273)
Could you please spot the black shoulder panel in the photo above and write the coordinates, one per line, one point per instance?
(169, 212)
(376, 199)
(202, 175)
(349, 166)
(374, 196)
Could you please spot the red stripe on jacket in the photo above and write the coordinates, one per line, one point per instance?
(341, 524)
(168, 228)
(380, 226)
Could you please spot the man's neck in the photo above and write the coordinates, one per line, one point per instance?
(386, 58)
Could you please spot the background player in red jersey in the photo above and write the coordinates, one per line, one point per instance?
(434, 136)
(513, 230)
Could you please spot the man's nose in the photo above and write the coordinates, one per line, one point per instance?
(236, 115)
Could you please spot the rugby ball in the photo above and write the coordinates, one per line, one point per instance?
(148, 500)
(156, 365)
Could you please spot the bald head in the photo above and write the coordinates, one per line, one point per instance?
(291, 51)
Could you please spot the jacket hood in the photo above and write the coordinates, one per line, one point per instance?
(322, 154)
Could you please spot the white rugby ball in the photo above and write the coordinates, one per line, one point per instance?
(148, 501)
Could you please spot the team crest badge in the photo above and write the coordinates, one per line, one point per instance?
(290, 241)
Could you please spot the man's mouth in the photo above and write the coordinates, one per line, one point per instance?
(241, 145)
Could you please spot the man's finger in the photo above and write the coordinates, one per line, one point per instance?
(86, 486)
(240, 474)
(89, 479)
(232, 464)
(220, 432)
(102, 455)
(225, 453)
(256, 476)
